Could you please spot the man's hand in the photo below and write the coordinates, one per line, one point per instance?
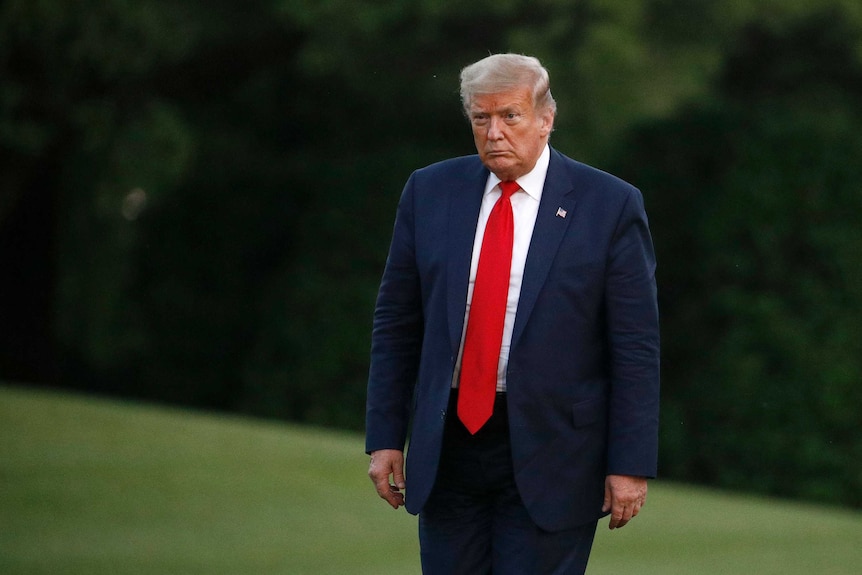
(386, 463)
(624, 497)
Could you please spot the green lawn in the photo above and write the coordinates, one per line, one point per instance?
(96, 487)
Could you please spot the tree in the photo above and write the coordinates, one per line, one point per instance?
(197, 197)
(755, 205)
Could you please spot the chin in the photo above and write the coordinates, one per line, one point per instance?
(499, 167)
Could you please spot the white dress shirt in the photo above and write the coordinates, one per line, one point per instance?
(525, 207)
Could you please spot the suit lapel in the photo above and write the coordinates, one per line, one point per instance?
(552, 221)
(464, 204)
(465, 200)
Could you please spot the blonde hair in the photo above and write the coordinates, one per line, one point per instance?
(503, 72)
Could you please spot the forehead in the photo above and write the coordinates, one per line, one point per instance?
(520, 98)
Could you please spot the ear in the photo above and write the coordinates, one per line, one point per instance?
(547, 118)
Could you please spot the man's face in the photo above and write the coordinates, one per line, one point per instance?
(509, 134)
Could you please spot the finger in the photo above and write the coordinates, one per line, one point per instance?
(390, 493)
(380, 479)
(617, 521)
(620, 515)
(393, 496)
(385, 464)
(381, 485)
(386, 491)
(628, 513)
(606, 505)
(616, 518)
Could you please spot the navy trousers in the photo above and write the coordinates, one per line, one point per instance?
(475, 522)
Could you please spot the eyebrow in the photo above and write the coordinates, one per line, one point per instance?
(510, 108)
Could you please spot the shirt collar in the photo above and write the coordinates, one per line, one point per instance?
(532, 182)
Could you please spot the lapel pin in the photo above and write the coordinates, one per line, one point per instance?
(561, 213)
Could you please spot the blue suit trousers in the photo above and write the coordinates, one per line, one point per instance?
(475, 522)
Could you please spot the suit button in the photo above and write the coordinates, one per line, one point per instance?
(443, 414)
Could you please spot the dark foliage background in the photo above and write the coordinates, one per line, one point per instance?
(196, 200)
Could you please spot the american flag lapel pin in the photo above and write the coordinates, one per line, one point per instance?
(561, 213)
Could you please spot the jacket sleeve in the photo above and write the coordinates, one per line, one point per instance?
(633, 340)
(396, 338)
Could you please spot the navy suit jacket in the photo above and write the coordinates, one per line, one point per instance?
(583, 372)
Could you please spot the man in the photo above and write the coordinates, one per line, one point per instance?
(533, 399)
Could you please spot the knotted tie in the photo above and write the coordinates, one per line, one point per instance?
(478, 384)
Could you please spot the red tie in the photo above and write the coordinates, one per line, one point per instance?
(478, 384)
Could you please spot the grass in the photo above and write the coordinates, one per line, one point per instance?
(91, 486)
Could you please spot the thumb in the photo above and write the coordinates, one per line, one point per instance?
(398, 475)
(606, 505)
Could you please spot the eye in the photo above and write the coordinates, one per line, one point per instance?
(479, 119)
(512, 118)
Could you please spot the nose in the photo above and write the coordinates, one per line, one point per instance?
(495, 128)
